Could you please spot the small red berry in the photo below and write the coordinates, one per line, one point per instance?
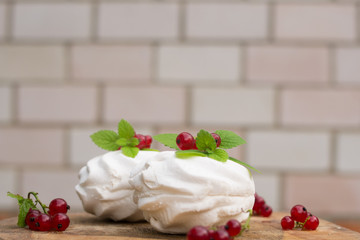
(198, 233)
(58, 205)
(148, 141)
(221, 234)
(217, 139)
(141, 138)
(185, 141)
(30, 218)
(287, 223)
(265, 210)
(298, 213)
(43, 222)
(60, 221)
(259, 202)
(233, 227)
(312, 223)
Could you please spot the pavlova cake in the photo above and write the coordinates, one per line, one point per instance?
(197, 184)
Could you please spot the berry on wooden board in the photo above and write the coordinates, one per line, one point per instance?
(300, 218)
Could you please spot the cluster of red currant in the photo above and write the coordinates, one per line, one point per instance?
(186, 141)
(231, 229)
(56, 218)
(144, 141)
(300, 218)
(260, 208)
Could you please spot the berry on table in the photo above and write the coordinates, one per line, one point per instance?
(311, 223)
(30, 218)
(217, 139)
(233, 227)
(298, 213)
(60, 222)
(259, 202)
(43, 222)
(185, 141)
(287, 223)
(198, 233)
(265, 210)
(221, 234)
(58, 205)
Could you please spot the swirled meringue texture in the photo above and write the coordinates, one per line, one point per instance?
(104, 187)
(178, 194)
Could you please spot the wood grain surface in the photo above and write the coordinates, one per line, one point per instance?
(87, 227)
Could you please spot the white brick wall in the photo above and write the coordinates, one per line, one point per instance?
(27, 62)
(226, 21)
(146, 21)
(289, 151)
(282, 74)
(196, 64)
(56, 21)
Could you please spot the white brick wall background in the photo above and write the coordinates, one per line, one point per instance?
(285, 74)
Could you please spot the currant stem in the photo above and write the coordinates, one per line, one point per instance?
(43, 206)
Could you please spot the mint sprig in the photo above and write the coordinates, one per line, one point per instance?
(124, 139)
(229, 139)
(168, 139)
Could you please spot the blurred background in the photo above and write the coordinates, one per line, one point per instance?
(283, 74)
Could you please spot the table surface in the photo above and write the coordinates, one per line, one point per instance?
(87, 227)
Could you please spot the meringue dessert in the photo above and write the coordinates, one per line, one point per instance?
(104, 188)
(177, 194)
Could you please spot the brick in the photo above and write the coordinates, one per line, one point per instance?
(150, 105)
(268, 186)
(348, 152)
(290, 151)
(147, 20)
(5, 104)
(226, 21)
(82, 149)
(31, 146)
(347, 67)
(56, 21)
(328, 22)
(7, 184)
(52, 183)
(45, 63)
(62, 104)
(114, 63)
(230, 106)
(199, 64)
(289, 65)
(320, 107)
(234, 152)
(2, 20)
(324, 194)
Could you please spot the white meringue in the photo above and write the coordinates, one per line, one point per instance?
(104, 188)
(177, 194)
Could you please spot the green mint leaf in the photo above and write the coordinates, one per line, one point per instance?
(229, 139)
(204, 141)
(122, 142)
(219, 155)
(132, 142)
(24, 205)
(189, 153)
(168, 139)
(244, 164)
(130, 151)
(106, 139)
(125, 129)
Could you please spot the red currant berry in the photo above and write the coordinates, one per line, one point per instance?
(298, 213)
(259, 202)
(312, 223)
(233, 227)
(43, 222)
(142, 143)
(198, 233)
(221, 234)
(287, 223)
(58, 205)
(30, 218)
(217, 139)
(185, 141)
(148, 141)
(265, 210)
(60, 221)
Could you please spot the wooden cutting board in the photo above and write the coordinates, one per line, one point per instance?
(87, 227)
